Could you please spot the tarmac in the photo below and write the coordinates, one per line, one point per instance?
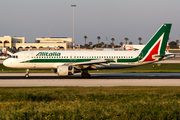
(102, 79)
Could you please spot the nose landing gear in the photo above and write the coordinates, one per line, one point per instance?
(27, 73)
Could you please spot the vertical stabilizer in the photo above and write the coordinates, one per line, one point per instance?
(157, 44)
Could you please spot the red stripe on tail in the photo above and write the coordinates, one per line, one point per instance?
(154, 51)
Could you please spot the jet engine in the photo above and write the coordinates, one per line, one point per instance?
(63, 70)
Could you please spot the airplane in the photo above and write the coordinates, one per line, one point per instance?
(66, 63)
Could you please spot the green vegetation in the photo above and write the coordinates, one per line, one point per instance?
(90, 103)
(145, 68)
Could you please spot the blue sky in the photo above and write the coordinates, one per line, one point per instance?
(112, 18)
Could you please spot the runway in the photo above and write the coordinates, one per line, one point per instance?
(110, 79)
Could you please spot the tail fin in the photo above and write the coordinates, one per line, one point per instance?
(157, 44)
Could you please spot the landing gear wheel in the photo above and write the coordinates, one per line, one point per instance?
(85, 74)
(26, 75)
(88, 75)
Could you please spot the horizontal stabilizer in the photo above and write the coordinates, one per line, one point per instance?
(164, 55)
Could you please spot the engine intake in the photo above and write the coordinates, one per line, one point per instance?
(63, 70)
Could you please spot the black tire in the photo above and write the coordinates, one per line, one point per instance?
(83, 74)
(87, 75)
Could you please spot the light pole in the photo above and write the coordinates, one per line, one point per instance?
(73, 26)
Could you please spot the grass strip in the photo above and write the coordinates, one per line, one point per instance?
(90, 103)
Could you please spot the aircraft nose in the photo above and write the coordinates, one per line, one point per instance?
(6, 63)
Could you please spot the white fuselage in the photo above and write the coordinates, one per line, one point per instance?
(34, 60)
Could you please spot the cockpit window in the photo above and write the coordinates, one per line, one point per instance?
(14, 56)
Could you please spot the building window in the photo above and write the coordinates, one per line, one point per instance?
(37, 41)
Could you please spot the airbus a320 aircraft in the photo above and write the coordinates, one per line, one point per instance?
(66, 63)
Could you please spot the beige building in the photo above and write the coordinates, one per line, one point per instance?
(5, 41)
(41, 43)
(54, 40)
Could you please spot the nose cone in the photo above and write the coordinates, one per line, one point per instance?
(6, 63)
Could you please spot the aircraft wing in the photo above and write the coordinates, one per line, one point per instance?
(90, 64)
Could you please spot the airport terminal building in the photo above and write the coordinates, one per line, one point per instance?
(40, 43)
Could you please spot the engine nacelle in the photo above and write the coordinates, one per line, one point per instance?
(63, 70)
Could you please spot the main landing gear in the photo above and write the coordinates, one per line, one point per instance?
(27, 73)
(85, 74)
